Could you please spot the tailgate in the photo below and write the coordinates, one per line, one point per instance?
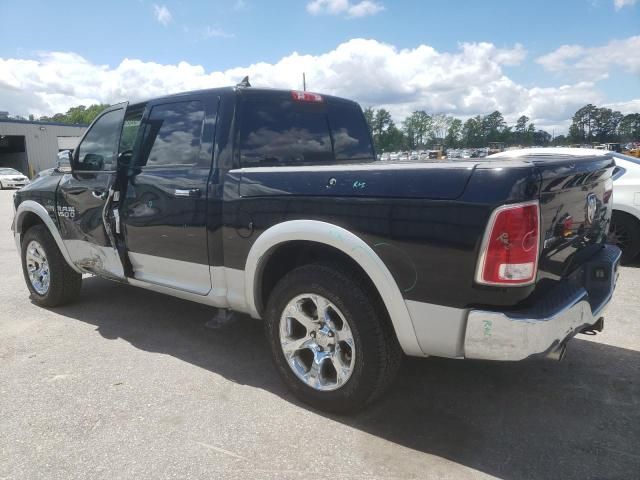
(575, 209)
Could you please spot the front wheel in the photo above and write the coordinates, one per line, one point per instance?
(51, 281)
(330, 338)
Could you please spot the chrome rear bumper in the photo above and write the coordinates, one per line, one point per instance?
(578, 303)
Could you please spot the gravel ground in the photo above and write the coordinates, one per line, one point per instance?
(128, 383)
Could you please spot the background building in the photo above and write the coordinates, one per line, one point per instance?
(33, 146)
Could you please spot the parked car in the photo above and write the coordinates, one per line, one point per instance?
(12, 178)
(271, 203)
(625, 222)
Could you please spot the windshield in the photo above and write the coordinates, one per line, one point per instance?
(9, 171)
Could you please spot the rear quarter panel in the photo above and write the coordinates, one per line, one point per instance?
(430, 245)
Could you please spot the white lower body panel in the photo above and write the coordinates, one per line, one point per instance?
(167, 272)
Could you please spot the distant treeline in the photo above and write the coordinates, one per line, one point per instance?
(590, 124)
(77, 115)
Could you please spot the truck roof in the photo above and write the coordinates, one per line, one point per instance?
(229, 91)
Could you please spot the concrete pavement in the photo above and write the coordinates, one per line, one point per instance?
(128, 383)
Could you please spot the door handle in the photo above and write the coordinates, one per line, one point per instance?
(192, 192)
(101, 194)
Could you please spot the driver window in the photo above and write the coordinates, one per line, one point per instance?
(98, 150)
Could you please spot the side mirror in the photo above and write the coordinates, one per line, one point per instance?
(64, 161)
(125, 159)
(93, 162)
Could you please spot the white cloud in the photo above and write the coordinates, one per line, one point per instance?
(210, 32)
(594, 62)
(162, 14)
(339, 7)
(468, 81)
(364, 8)
(632, 106)
(240, 5)
(618, 4)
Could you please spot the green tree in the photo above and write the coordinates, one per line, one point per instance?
(629, 128)
(78, 115)
(454, 133)
(369, 114)
(541, 137)
(386, 136)
(392, 139)
(416, 128)
(560, 140)
(529, 136)
(472, 132)
(381, 122)
(409, 128)
(605, 125)
(493, 126)
(521, 129)
(582, 124)
(440, 127)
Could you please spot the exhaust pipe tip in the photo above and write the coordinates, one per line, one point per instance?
(559, 353)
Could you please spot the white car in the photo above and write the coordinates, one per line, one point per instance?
(625, 221)
(10, 178)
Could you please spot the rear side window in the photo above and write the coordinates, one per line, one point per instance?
(172, 134)
(351, 140)
(281, 132)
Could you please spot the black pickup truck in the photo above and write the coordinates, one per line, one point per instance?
(272, 203)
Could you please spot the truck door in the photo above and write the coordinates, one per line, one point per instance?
(164, 211)
(82, 201)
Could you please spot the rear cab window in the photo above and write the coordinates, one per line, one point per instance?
(276, 130)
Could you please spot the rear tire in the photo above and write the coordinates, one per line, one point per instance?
(353, 336)
(625, 233)
(51, 281)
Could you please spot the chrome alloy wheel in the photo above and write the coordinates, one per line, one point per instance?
(317, 342)
(37, 267)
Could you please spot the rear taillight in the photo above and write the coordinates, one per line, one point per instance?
(510, 248)
(299, 96)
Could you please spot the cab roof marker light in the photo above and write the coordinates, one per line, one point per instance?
(300, 96)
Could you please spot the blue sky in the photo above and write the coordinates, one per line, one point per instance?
(221, 36)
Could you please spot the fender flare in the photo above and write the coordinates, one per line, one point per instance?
(36, 208)
(350, 244)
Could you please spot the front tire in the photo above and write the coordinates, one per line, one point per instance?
(330, 338)
(625, 233)
(51, 281)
